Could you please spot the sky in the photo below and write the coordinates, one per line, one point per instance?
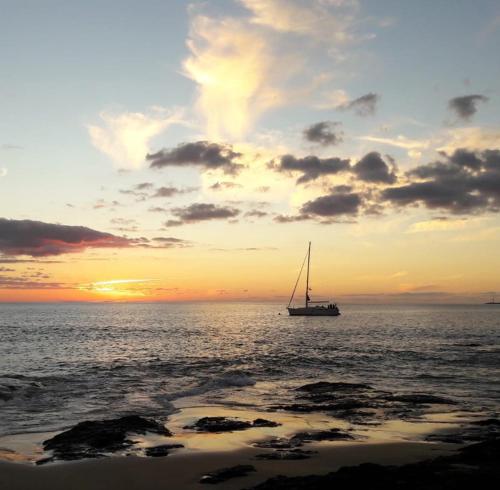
(176, 151)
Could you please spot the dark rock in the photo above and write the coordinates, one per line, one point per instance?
(327, 387)
(323, 435)
(278, 443)
(160, 451)
(224, 474)
(265, 423)
(474, 466)
(323, 407)
(219, 424)
(90, 439)
(291, 454)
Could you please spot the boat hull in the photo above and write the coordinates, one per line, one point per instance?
(313, 311)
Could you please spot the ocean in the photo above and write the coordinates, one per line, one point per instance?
(64, 363)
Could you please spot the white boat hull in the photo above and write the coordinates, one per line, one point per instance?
(313, 311)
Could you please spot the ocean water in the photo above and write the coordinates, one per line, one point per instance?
(64, 363)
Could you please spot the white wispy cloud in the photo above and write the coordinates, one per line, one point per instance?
(413, 146)
(247, 65)
(125, 137)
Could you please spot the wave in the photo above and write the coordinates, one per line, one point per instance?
(233, 379)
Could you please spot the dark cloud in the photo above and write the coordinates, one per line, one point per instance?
(333, 204)
(157, 209)
(169, 242)
(218, 186)
(7, 282)
(209, 156)
(372, 168)
(363, 106)
(102, 204)
(201, 212)
(311, 166)
(325, 133)
(172, 191)
(283, 218)
(466, 182)
(39, 239)
(466, 106)
(143, 186)
(256, 213)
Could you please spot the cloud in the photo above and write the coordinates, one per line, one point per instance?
(337, 203)
(237, 73)
(39, 239)
(362, 106)
(13, 282)
(197, 212)
(438, 224)
(371, 168)
(466, 106)
(466, 182)
(283, 218)
(170, 242)
(219, 186)
(256, 213)
(203, 154)
(414, 147)
(172, 191)
(3, 171)
(247, 65)
(327, 22)
(311, 166)
(473, 138)
(325, 133)
(125, 137)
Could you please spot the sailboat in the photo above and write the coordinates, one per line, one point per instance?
(492, 302)
(320, 308)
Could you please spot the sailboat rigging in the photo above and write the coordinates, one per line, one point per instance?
(319, 309)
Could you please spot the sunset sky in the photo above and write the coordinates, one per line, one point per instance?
(166, 150)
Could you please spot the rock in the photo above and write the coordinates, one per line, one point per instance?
(323, 407)
(322, 435)
(327, 387)
(278, 443)
(162, 450)
(264, 423)
(219, 424)
(224, 474)
(90, 439)
(283, 455)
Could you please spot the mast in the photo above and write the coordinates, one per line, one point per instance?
(307, 282)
